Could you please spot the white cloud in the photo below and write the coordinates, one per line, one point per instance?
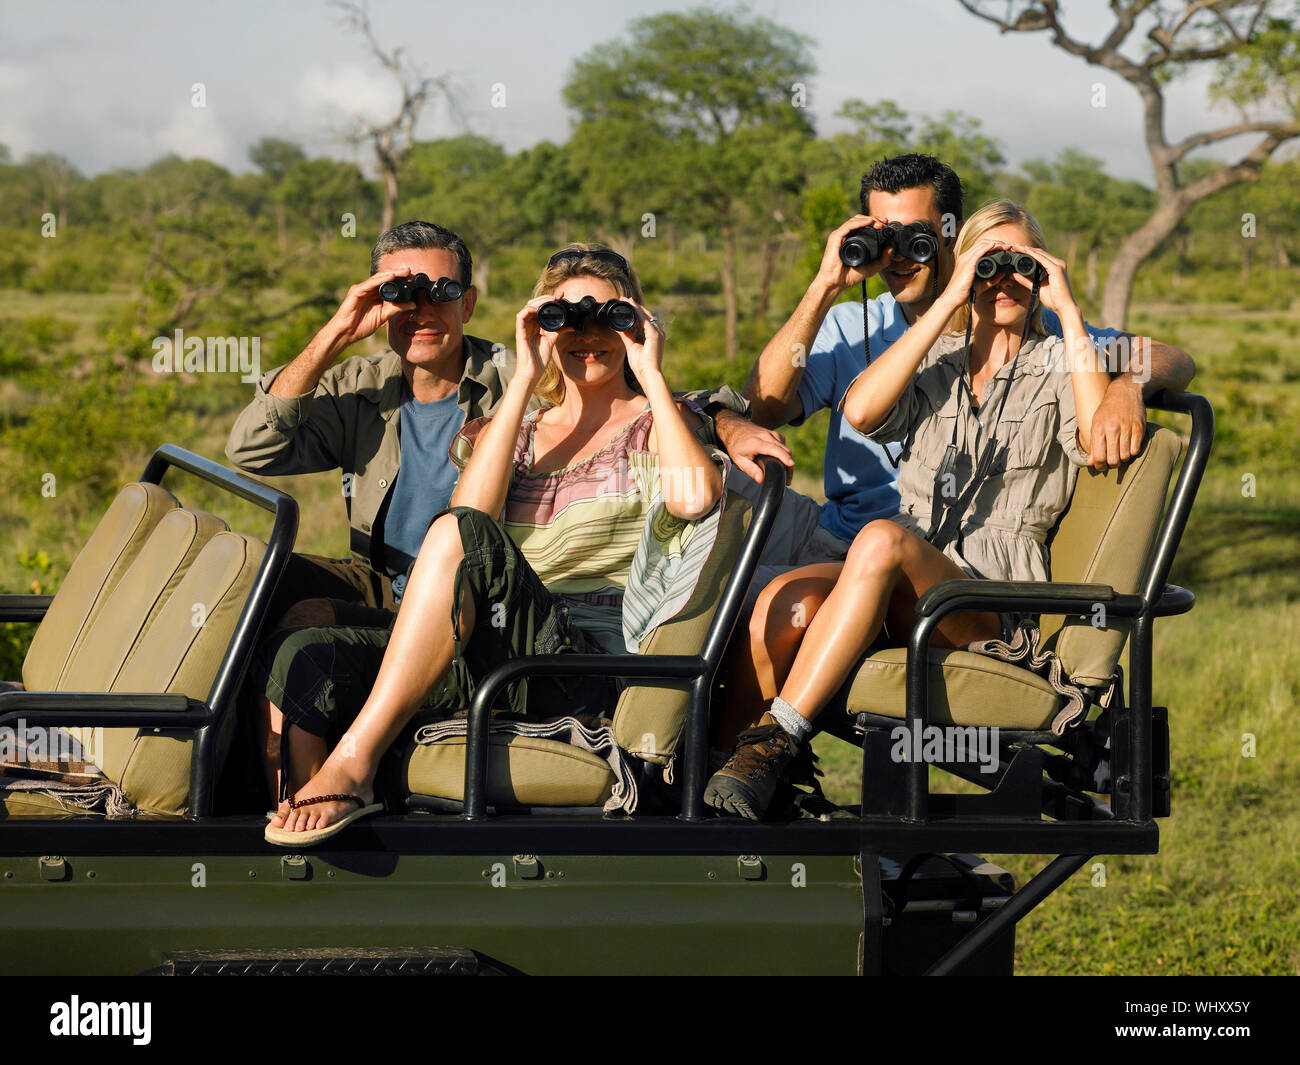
(196, 132)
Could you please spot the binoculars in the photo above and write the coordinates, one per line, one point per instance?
(408, 289)
(999, 262)
(555, 315)
(915, 241)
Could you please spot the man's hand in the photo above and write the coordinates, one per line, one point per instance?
(363, 311)
(745, 441)
(1119, 425)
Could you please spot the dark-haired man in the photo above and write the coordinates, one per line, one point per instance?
(814, 357)
(816, 354)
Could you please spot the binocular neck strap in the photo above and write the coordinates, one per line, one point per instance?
(952, 517)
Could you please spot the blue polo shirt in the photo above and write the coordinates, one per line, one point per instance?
(859, 478)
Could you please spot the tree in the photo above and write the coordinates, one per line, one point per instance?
(1255, 49)
(710, 91)
(320, 192)
(392, 140)
(274, 157)
(57, 178)
(462, 183)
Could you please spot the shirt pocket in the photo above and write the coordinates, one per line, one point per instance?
(1028, 437)
(933, 432)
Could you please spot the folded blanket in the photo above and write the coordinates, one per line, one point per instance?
(598, 740)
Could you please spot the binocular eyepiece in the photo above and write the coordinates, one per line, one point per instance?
(555, 315)
(999, 262)
(915, 241)
(408, 289)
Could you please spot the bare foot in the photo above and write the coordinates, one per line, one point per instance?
(307, 754)
(333, 779)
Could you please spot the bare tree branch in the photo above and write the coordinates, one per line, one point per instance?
(391, 140)
(1176, 151)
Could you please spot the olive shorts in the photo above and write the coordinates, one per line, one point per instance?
(320, 677)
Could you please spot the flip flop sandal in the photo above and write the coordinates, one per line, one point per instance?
(285, 838)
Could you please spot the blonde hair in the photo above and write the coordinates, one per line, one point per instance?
(550, 386)
(991, 215)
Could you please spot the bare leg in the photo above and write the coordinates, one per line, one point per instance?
(306, 614)
(887, 569)
(760, 664)
(307, 753)
(418, 655)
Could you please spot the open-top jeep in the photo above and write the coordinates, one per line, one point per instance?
(494, 853)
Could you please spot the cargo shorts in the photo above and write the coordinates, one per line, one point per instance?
(320, 677)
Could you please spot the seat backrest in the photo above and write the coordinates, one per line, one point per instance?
(131, 607)
(1107, 536)
(650, 715)
(180, 652)
(109, 552)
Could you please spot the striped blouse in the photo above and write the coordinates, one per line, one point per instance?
(598, 534)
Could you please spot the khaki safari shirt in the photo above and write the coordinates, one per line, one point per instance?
(1035, 461)
(350, 422)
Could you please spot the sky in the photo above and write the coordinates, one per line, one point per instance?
(112, 85)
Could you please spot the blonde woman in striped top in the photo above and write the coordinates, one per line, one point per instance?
(576, 528)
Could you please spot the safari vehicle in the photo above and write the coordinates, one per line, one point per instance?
(494, 855)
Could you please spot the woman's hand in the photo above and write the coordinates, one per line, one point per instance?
(1055, 293)
(534, 348)
(962, 281)
(645, 356)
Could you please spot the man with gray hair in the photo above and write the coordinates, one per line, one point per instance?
(384, 420)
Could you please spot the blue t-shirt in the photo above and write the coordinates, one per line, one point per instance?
(860, 481)
(859, 477)
(424, 482)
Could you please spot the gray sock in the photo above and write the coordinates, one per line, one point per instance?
(791, 720)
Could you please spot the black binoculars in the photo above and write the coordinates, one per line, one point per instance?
(408, 289)
(915, 241)
(555, 315)
(999, 262)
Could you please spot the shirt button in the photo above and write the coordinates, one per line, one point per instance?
(383, 483)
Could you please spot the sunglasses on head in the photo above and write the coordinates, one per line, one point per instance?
(603, 255)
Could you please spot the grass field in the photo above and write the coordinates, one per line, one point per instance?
(1220, 896)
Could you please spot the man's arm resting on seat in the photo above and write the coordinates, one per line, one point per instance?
(1146, 366)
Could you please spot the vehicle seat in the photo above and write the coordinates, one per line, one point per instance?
(150, 606)
(1106, 536)
(648, 719)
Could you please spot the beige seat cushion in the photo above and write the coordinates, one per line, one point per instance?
(1106, 537)
(965, 689)
(522, 770)
(20, 804)
(180, 653)
(108, 554)
(146, 585)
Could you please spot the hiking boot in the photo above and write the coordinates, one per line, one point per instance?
(746, 784)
